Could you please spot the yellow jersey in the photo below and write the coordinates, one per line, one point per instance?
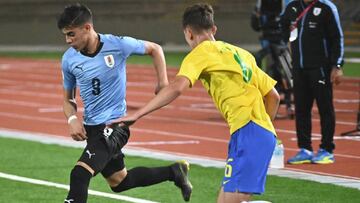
(233, 80)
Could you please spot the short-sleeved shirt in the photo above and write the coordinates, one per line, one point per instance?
(233, 80)
(101, 77)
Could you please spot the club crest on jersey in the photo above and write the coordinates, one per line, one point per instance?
(316, 11)
(109, 60)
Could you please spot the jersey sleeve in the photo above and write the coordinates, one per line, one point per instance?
(192, 66)
(129, 46)
(264, 82)
(336, 37)
(69, 80)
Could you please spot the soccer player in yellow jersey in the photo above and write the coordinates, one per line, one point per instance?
(242, 92)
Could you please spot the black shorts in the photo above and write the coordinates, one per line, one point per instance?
(103, 150)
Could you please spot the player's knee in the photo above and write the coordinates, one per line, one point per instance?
(116, 178)
(80, 174)
(125, 184)
(79, 183)
(86, 167)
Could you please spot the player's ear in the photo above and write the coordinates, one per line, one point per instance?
(87, 26)
(188, 33)
(214, 29)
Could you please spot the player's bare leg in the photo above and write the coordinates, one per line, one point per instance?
(116, 178)
(232, 197)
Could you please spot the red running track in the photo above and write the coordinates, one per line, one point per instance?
(31, 100)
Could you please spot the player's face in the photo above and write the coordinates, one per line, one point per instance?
(77, 37)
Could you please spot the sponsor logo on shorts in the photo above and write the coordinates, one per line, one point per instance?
(108, 131)
(90, 154)
(321, 82)
(225, 181)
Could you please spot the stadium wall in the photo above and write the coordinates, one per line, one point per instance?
(33, 22)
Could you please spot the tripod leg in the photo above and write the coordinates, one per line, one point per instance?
(355, 132)
(286, 68)
(352, 133)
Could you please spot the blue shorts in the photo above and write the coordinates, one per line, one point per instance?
(249, 155)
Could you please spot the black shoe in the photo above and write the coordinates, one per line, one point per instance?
(180, 170)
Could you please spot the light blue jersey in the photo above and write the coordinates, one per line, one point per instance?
(101, 77)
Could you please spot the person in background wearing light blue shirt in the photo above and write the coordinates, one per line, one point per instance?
(96, 63)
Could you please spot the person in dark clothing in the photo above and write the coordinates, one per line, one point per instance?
(266, 19)
(317, 46)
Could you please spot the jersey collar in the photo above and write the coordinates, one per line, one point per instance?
(97, 50)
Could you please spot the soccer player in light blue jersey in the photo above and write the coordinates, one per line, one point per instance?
(96, 64)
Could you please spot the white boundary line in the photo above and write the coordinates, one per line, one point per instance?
(344, 181)
(353, 60)
(170, 134)
(66, 187)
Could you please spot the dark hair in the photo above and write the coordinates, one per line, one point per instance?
(199, 17)
(74, 15)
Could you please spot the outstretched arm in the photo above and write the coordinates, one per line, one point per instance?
(163, 98)
(157, 54)
(272, 100)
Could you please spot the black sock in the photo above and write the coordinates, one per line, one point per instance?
(79, 183)
(142, 176)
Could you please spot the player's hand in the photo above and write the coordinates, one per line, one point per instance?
(125, 121)
(77, 130)
(336, 76)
